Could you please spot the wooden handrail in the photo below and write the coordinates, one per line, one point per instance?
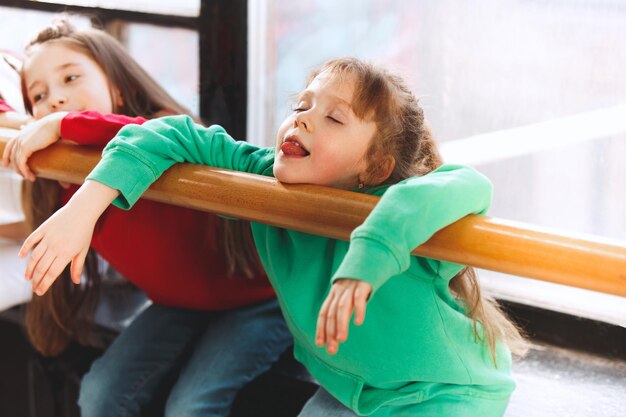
(480, 241)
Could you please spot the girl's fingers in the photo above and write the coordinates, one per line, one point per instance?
(35, 258)
(14, 152)
(6, 155)
(76, 269)
(320, 331)
(333, 321)
(344, 311)
(28, 174)
(58, 265)
(42, 267)
(21, 163)
(11, 155)
(361, 294)
(30, 241)
(331, 327)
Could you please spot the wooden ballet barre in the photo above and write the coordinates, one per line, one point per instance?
(480, 241)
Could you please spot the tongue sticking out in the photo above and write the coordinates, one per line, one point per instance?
(293, 149)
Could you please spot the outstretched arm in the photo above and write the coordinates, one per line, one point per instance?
(65, 236)
(406, 216)
(140, 154)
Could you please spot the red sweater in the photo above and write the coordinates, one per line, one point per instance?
(170, 252)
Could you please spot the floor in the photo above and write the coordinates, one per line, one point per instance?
(562, 383)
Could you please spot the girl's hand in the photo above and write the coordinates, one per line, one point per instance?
(65, 236)
(33, 137)
(345, 296)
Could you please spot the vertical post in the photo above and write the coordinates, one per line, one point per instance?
(222, 29)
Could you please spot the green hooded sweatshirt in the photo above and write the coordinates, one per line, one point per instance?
(416, 342)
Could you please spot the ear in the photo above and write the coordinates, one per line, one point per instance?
(117, 96)
(380, 171)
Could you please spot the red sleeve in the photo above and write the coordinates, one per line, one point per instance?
(4, 107)
(93, 128)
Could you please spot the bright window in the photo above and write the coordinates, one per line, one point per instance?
(531, 93)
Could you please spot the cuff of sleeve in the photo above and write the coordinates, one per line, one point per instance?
(126, 174)
(370, 261)
(64, 123)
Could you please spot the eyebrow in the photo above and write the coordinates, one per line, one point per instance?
(59, 68)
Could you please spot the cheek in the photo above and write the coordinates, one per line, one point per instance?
(107, 107)
(91, 95)
(347, 164)
(102, 102)
(281, 132)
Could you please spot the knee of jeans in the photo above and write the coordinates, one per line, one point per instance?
(212, 403)
(176, 406)
(96, 396)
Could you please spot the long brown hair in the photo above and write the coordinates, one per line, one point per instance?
(59, 316)
(403, 134)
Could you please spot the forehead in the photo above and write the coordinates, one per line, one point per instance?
(348, 87)
(341, 85)
(52, 56)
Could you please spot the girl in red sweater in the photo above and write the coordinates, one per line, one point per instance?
(214, 320)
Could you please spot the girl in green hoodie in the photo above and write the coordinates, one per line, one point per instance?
(431, 345)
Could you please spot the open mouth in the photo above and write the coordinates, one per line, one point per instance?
(292, 147)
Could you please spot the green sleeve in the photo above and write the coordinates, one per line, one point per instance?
(406, 216)
(139, 154)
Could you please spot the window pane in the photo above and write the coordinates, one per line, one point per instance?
(18, 26)
(531, 93)
(178, 71)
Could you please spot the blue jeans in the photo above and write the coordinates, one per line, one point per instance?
(322, 404)
(214, 354)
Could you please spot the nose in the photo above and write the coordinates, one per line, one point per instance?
(303, 120)
(57, 101)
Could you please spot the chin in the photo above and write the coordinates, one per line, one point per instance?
(279, 173)
(285, 178)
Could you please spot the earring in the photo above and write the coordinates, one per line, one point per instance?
(361, 185)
